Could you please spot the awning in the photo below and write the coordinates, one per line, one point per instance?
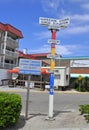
(44, 71)
(13, 70)
(77, 75)
(16, 70)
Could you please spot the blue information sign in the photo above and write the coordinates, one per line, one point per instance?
(32, 67)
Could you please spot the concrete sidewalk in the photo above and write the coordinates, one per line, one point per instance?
(22, 89)
(65, 120)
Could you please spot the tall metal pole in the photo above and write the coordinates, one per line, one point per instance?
(52, 67)
(53, 25)
(27, 98)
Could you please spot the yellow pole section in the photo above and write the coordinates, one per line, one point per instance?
(52, 61)
(53, 50)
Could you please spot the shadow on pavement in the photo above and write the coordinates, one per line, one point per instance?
(20, 124)
(35, 115)
(56, 113)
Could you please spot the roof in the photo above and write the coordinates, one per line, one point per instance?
(80, 70)
(74, 58)
(10, 28)
(40, 54)
(30, 56)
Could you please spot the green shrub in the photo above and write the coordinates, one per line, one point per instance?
(87, 118)
(83, 85)
(81, 89)
(10, 108)
(84, 109)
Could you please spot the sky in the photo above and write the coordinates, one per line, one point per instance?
(24, 15)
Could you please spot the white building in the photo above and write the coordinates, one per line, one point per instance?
(9, 43)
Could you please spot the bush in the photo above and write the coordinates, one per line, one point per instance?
(82, 85)
(10, 108)
(84, 109)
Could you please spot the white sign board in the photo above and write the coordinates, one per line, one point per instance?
(54, 22)
(53, 41)
(53, 56)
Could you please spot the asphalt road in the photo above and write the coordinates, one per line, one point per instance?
(39, 101)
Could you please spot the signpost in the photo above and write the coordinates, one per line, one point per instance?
(54, 22)
(30, 67)
(80, 81)
(53, 56)
(53, 41)
(53, 25)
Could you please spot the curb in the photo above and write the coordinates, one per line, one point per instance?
(39, 91)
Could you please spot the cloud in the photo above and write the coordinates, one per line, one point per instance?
(80, 17)
(72, 30)
(50, 5)
(60, 49)
(78, 30)
(85, 6)
(80, 1)
(43, 35)
(42, 49)
(64, 50)
(83, 3)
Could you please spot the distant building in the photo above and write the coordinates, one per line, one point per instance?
(9, 43)
(79, 65)
(39, 56)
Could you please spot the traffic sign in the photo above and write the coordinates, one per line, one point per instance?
(54, 41)
(54, 23)
(53, 56)
(57, 27)
(80, 77)
(27, 66)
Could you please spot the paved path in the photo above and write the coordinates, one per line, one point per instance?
(63, 121)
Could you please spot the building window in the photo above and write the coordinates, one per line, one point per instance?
(57, 76)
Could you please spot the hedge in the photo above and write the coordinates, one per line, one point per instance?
(10, 108)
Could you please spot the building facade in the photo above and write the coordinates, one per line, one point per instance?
(9, 43)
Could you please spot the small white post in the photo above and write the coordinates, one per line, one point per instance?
(50, 106)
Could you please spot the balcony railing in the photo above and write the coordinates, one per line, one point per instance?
(12, 42)
(7, 65)
(1, 51)
(11, 54)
